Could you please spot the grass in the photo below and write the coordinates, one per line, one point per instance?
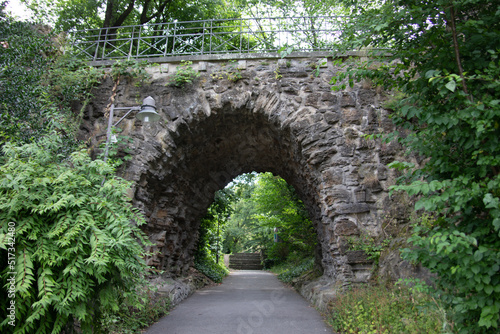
(386, 310)
(132, 318)
(290, 270)
(215, 271)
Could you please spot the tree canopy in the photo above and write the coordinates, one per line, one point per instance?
(83, 14)
(251, 211)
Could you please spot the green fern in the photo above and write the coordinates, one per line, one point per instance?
(76, 248)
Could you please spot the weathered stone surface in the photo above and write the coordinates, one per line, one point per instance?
(346, 228)
(392, 268)
(358, 256)
(215, 129)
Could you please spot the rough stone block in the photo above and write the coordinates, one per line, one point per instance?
(346, 228)
(202, 66)
(332, 117)
(351, 116)
(367, 96)
(313, 100)
(360, 195)
(329, 97)
(353, 208)
(242, 65)
(357, 256)
(332, 177)
(338, 196)
(164, 68)
(347, 100)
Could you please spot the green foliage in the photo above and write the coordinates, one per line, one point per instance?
(209, 248)
(23, 117)
(445, 63)
(133, 315)
(277, 253)
(38, 86)
(277, 74)
(71, 80)
(184, 74)
(387, 310)
(91, 14)
(265, 203)
(119, 151)
(229, 72)
(76, 248)
(213, 225)
(215, 271)
(130, 69)
(296, 270)
(285, 51)
(278, 206)
(368, 244)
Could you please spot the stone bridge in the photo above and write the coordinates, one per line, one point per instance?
(276, 115)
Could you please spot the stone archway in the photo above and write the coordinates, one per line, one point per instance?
(292, 125)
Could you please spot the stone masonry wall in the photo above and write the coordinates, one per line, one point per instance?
(255, 115)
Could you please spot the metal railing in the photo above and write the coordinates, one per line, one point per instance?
(208, 37)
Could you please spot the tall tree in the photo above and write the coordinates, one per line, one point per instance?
(265, 203)
(213, 225)
(446, 65)
(90, 14)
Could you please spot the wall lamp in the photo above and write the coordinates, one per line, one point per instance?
(146, 114)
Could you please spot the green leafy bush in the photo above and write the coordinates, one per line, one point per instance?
(23, 64)
(184, 74)
(39, 85)
(298, 270)
(75, 246)
(369, 245)
(133, 315)
(444, 61)
(216, 272)
(378, 309)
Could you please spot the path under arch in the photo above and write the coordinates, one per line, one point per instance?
(247, 302)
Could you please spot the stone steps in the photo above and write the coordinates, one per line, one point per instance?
(245, 261)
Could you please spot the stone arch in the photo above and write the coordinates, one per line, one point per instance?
(294, 126)
(209, 151)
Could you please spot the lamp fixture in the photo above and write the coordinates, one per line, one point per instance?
(148, 111)
(147, 114)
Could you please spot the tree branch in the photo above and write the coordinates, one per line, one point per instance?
(158, 13)
(457, 51)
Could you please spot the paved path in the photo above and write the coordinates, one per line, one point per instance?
(248, 302)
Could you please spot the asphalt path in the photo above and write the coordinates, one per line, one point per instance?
(247, 302)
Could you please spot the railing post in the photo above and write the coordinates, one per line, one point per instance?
(211, 34)
(166, 40)
(139, 42)
(97, 44)
(241, 36)
(131, 43)
(104, 46)
(203, 38)
(174, 37)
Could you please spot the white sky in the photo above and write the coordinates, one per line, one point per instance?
(18, 9)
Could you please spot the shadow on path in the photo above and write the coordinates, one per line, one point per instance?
(248, 302)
